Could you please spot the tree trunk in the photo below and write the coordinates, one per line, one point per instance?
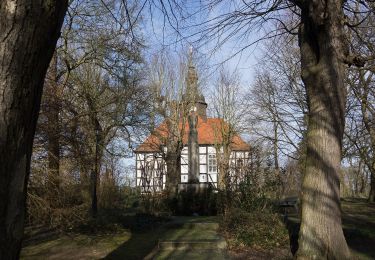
(322, 54)
(367, 118)
(95, 173)
(52, 115)
(371, 197)
(94, 196)
(362, 176)
(275, 146)
(173, 161)
(28, 34)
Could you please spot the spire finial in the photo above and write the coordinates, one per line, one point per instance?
(190, 55)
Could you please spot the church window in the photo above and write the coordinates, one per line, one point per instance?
(212, 163)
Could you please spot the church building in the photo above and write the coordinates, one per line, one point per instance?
(201, 137)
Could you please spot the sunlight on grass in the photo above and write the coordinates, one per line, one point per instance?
(77, 246)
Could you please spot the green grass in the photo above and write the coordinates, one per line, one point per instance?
(359, 227)
(129, 237)
(198, 234)
(75, 246)
(190, 234)
(358, 218)
(192, 254)
(131, 243)
(358, 223)
(138, 246)
(142, 244)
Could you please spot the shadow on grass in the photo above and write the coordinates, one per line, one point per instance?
(178, 254)
(138, 246)
(146, 231)
(358, 226)
(40, 236)
(144, 241)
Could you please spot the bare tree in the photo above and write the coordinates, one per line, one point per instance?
(278, 98)
(228, 104)
(93, 78)
(266, 99)
(361, 111)
(168, 80)
(51, 105)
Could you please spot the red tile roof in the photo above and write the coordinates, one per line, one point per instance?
(209, 133)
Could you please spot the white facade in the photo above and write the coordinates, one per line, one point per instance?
(151, 168)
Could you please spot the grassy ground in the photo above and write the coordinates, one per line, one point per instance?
(128, 242)
(359, 227)
(131, 237)
(75, 246)
(191, 255)
(125, 243)
(192, 238)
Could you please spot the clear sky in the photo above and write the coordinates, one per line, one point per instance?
(159, 32)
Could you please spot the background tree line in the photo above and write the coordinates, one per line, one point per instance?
(94, 102)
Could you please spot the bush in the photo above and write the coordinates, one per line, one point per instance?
(258, 229)
(154, 204)
(64, 208)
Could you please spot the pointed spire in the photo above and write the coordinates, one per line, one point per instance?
(192, 95)
(192, 77)
(190, 56)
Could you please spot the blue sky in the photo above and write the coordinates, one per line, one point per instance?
(158, 34)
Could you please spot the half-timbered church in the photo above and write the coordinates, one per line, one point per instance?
(201, 138)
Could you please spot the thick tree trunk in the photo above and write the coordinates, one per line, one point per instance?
(322, 54)
(28, 34)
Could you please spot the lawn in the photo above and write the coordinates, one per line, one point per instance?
(133, 239)
(75, 246)
(358, 219)
(128, 242)
(359, 227)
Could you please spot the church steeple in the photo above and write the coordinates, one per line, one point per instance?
(191, 79)
(192, 94)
